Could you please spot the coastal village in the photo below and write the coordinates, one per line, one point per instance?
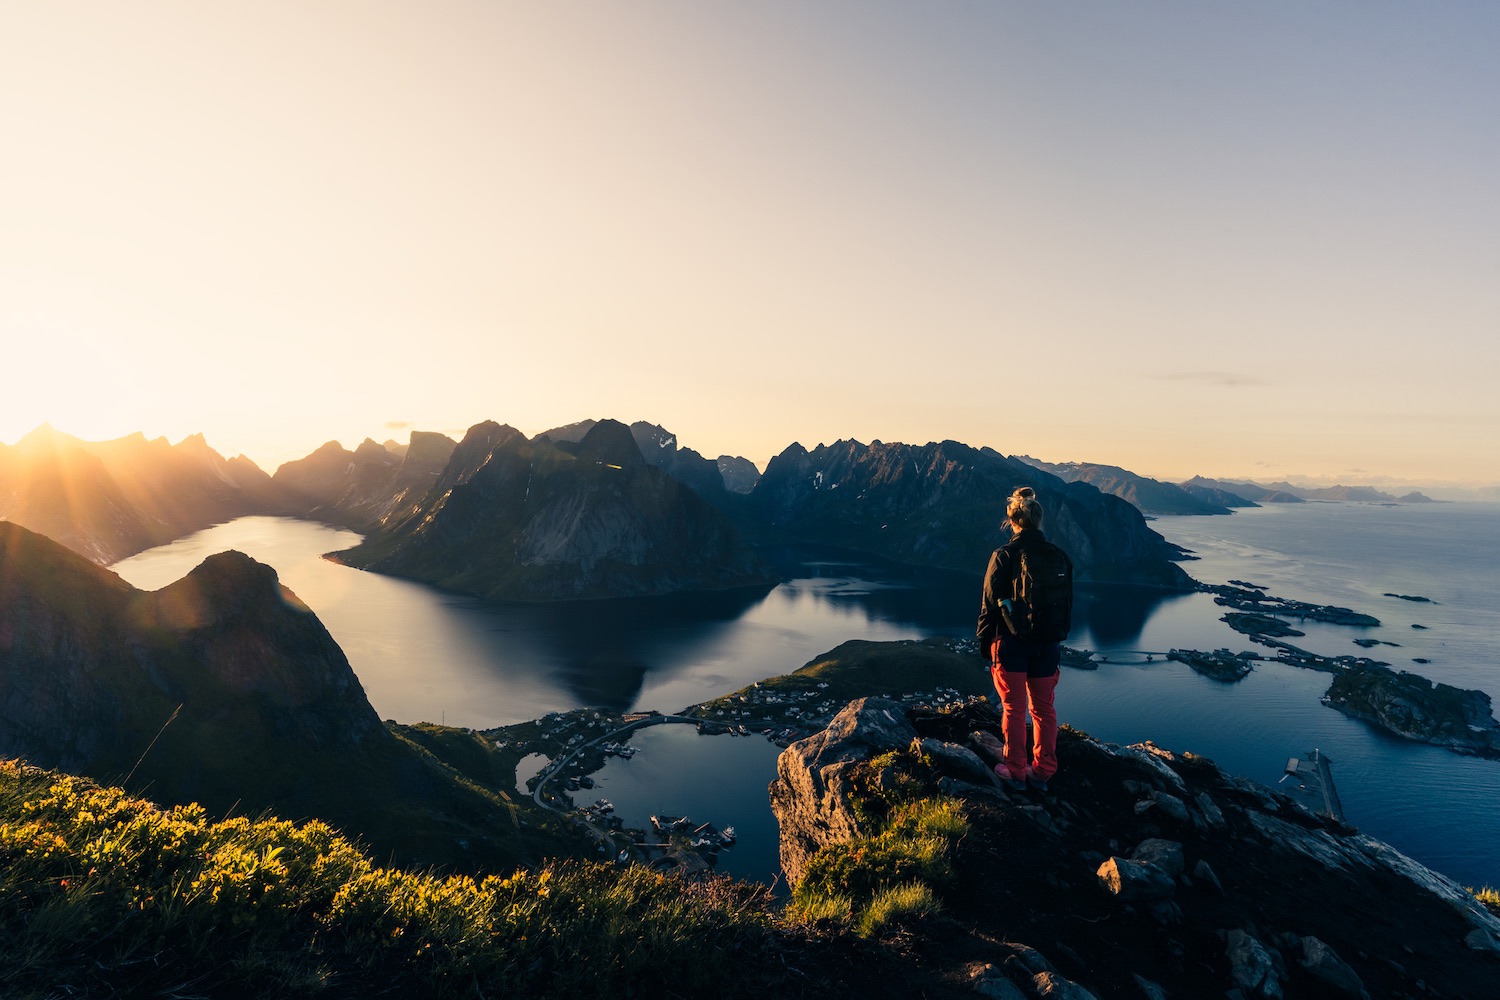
(573, 746)
(558, 755)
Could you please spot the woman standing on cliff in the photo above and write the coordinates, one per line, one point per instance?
(1025, 667)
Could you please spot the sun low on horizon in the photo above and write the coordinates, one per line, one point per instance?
(1221, 242)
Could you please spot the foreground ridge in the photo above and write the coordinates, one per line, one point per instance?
(1140, 873)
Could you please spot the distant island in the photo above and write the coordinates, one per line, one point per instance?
(1200, 495)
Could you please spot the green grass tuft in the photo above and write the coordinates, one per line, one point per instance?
(1489, 897)
(902, 901)
(898, 869)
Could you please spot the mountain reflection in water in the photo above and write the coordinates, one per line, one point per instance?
(423, 654)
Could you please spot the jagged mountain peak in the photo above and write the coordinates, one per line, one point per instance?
(610, 442)
(478, 444)
(372, 453)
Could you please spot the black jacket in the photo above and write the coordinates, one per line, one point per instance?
(1000, 583)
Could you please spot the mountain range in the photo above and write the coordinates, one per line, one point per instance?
(638, 515)
(1149, 495)
(108, 499)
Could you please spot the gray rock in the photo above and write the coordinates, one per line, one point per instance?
(1482, 940)
(956, 760)
(1164, 803)
(1171, 805)
(1324, 964)
(1131, 881)
(991, 982)
(968, 790)
(1028, 959)
(1051, 986)
(811, 793)
(1208, 810)
(1039, 816)
(1316, 844)
(1164, 854)
(1165, 912)
(1203, 873)
(1156, 758)
(1262, 795)
(1150, 990)
(1251, 967)
(986, 745)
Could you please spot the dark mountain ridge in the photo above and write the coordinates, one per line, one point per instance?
(941, 505)
(221, 688)
(512, 518)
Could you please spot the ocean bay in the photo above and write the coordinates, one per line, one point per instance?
(426, 655)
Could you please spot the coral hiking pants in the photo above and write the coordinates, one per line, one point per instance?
(1016, 689)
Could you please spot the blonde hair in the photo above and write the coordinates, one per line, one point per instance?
(1023, 510)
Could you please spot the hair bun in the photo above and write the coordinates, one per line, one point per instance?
(1024, 492)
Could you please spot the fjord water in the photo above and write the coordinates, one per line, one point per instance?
(423, 654)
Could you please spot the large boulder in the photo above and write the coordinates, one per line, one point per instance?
(812, 795)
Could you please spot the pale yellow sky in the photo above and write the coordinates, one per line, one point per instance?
(1255, 242)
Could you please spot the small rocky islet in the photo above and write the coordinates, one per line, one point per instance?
(1396, 701)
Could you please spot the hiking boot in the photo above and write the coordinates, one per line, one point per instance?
(1040, 784)
(1014, 784)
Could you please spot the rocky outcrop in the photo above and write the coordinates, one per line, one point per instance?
(941, 505)
(108, 499)
(812, 796)
(511, 518)
(1145, 873)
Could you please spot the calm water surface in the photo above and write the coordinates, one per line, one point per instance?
(423, 654)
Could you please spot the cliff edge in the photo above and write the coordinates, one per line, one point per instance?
(1140, 873)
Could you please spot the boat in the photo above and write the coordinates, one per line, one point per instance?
(671, 824)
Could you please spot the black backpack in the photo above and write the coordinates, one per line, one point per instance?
(1043, 604)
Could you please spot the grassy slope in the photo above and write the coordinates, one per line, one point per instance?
(105, 894)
